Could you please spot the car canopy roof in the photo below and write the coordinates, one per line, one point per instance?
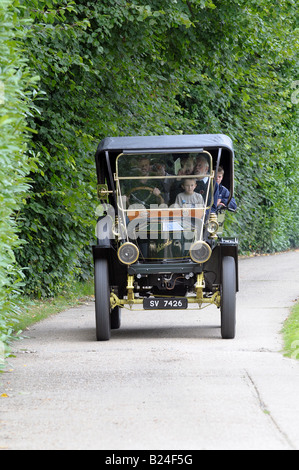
(219, 145)
(165, 142)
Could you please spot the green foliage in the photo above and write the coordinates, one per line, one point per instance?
(96, 83)
(132, 68)
(291, 334)
(17, 83)
(243, 87)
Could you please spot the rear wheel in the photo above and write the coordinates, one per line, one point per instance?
(115, 318)
(228, 298)
(102, 300)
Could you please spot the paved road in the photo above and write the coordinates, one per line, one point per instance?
(166, 380)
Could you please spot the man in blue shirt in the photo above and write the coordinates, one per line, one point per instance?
(223, 194)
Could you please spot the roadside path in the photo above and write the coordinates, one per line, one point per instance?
(166, 380)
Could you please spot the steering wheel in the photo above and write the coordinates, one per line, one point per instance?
(146, 188)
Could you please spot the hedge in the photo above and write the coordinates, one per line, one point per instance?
(17, 83)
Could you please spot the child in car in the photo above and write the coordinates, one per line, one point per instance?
(189, 198)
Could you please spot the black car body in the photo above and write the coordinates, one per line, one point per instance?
(159, 242)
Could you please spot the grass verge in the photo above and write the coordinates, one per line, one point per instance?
(35, 310)
(291, 334)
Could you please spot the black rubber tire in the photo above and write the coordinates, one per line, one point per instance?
(228, 298)
(115, 318)
(102, 300)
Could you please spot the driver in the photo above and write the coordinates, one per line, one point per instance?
(146, 191)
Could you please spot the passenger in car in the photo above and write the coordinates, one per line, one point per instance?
(224, 192)
(189, 198)
(159, 169)
(187, 165)
(202, 170)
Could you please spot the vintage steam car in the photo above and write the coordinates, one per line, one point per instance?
(159, 228)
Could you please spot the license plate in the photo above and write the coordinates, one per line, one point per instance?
(167, 304)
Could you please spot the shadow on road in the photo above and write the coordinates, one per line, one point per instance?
(176, 332)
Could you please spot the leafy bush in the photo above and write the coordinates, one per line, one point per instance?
(132, 68)
(243, 87)
(15, 103)
(95, 84)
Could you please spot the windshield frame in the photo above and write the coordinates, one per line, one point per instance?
(154, 154)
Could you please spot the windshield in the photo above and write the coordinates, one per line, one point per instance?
(181, 180)
(163, 200)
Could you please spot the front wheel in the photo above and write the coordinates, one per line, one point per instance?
(102, 300)
(228, 298)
